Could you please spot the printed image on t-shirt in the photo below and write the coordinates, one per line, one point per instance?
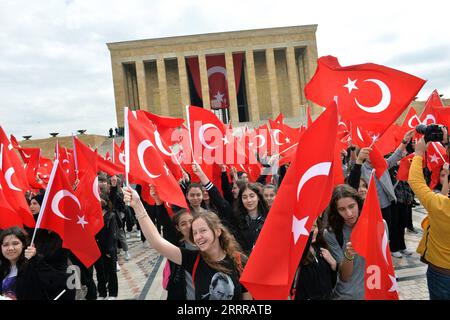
(220, 288)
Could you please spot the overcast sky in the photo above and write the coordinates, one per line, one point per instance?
(55, 70)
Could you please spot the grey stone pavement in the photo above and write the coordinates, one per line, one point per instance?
(140, 278)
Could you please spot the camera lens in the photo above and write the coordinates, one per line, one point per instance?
(421, 128)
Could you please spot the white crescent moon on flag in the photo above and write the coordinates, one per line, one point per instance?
(429, 116)
(275, 137)
(217, 69)
(141, 149)
(263, 140)
(359, 134)
(384, 245)
(342, 124)
(65, 161)
(385, 98)
(25, 155)
(410, 121)
(57, 198)
(122, 158)
(95, 188)
(159, 144)
(8, 176)
(319, 169)
(201, 135)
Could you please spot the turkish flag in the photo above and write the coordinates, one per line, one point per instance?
(442, 115)
(436, 156)
(32, 166)
(411, 122)
(370, 240)
(303, 195)
(217, 78)
(8, 216)
(119, 154)
(283, 136)
(61, 212)
(14, 142)
(428, 114)
(67, 161)
(363, 140)
(108, 167)
(388, 142)
(84, 156)
(16, 180)
(403, 169)
(208, 137)
(87, 192)
(144, 162)
(279, 118)
(165, 126)
(367, 93)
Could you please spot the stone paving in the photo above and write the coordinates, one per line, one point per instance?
(140, 278)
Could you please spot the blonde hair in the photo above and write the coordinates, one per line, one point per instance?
(226, 240)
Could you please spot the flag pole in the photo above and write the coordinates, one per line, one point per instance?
(75, 156)
(439, 152)
(127, 149)
(44, 201)
(189, 130)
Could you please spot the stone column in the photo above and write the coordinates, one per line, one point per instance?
(234, 115)
(142, 88)
(310, 68)
(272, 73)
(162, 85)
(184, 83)
(293, 81)
(253, 101)
(119, 90)
(204, 81)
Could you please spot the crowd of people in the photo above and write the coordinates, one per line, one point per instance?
(208, 245)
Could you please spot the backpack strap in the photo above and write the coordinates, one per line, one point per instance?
(194, 269)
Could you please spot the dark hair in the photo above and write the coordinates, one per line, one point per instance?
(193, 185)
(308, 257)
(176, 220)
(5, 264)
(241, 212)
(335, 220)
(271, 186)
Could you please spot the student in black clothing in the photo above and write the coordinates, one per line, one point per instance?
(317, 273)
(105, 266)
(48, 244)
(24, 275)
(218, 250)
(250, 213)
(177, 231)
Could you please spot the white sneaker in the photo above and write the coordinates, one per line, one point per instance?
(396, 254)
(406, 252)
(127, 256)
(128, 236)
(117, 267)
(112, 298)
(138, 234)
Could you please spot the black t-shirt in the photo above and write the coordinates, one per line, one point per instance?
(211, 284)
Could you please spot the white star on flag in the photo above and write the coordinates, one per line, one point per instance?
(81, 221)
(225, 140)
(298, 227)
(219, 96)
(351, 84)
(394, 284)
(287, 140)
(434, 158)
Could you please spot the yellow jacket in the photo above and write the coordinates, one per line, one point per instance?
(434, 246)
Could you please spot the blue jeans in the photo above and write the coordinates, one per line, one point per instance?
(438, 284)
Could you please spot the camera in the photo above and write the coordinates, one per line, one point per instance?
(432, 132)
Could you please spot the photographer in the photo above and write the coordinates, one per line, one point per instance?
(434, 246)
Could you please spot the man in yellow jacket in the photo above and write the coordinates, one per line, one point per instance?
(434, 246)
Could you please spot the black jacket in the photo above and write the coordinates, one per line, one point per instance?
(108, 235)
(36, 280)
